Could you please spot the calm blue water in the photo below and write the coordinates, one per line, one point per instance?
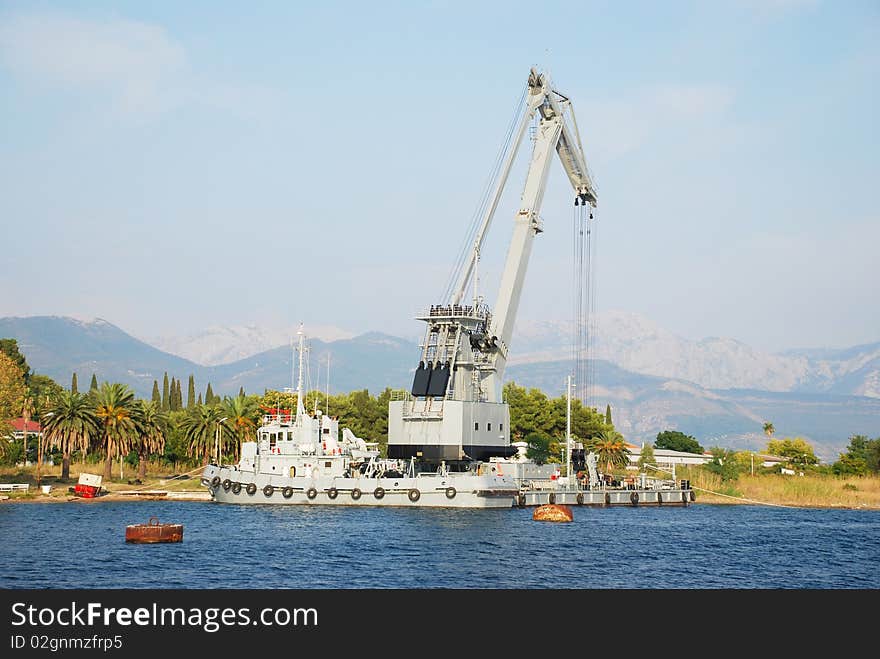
(82, 545)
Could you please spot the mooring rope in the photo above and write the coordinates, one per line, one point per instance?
(730, 496)
(157, 480)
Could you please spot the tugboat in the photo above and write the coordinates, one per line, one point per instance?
(302, 458)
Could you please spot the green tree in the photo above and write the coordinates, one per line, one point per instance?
(242, 415)
(862, 457)
(538, 448)
(850, 465)
(73, 387)
(608, 415)
(673, 440)
(191, 392)
(9, 347)
(646, 456)
(176, 448)
(176, 398)
(166, 394)
(610, 450)
(724, 463)
(199, 428)
(769, 430)
(209, 395)
(156, 396)
(93, 385)
(13, 390)
(151, 424)
(70, 424)
(797, 451)
(42, 389)
(114, 407)
(241, 391)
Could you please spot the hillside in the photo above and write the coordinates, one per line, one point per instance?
(642, 404)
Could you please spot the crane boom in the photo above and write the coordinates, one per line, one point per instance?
(454, 411)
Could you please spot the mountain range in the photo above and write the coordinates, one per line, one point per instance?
(718, 390)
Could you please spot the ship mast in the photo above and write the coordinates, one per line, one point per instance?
(300, 406)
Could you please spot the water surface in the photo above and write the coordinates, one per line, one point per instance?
(82, 545)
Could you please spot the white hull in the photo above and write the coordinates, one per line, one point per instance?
(452, 490)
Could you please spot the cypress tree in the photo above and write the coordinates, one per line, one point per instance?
(176, 401)
(191, 393)
(73, 388)
(241, 392)
(608, 414)
(157, 397)
(94, 384)
(209, 395)
(166, 401)
(200, 400)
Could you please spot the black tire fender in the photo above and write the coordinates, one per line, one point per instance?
(227, 484)
(287, 492)
(311, 493)
(634, 497)
(379, 492)
(236, 488)
(251, 488)
(552, 497)
(215, 481)
(580, 498)
(332, 493)
(414, 495)
(356, 494)
(269, 490)
(450, 493)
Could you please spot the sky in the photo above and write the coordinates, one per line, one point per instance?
(172, 166)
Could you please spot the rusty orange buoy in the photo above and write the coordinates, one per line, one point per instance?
(553, 512)
(152, 531)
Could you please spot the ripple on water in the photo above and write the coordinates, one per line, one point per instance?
(82, 546)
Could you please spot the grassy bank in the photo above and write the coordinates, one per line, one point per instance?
(808, 491)
(157, 479)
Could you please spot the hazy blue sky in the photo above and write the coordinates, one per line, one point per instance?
(169, 166)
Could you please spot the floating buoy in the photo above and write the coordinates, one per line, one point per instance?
(553, 512)
(152, 531)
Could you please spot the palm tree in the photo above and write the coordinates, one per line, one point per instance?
(151, 425)
(70, 424)
(769, 430)
(241, 415)
(610, 449)
(114, 407)
(199, 430)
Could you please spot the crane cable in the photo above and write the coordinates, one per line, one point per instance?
(466, 249)
(583, 307)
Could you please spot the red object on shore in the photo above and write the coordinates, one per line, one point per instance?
(86, 491)
(154, 532)
(89, 486)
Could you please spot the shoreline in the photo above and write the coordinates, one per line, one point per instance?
(204, 497)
